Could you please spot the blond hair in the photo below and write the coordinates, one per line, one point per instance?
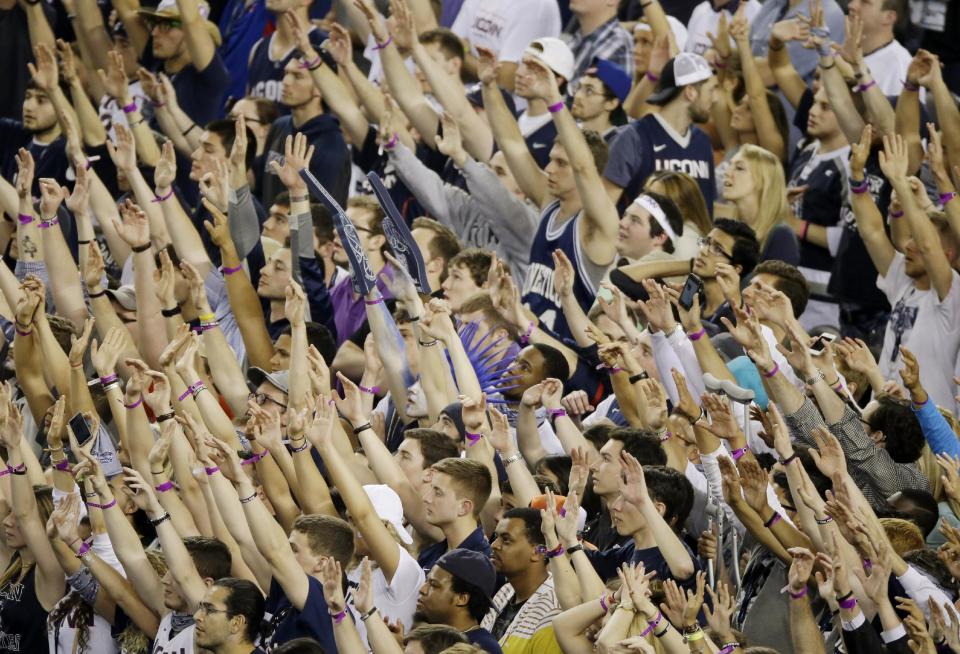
(767, 172)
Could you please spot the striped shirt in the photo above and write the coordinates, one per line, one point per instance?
(531, 630)
(609, 41)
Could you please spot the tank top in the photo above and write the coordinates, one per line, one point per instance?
(61, 636)
(538, 289)
(23, 621)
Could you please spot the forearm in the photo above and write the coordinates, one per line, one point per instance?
(180, 516)
(277, 490)
(804, 633)
(65, 282)
(948, 119)
(38, 27)
(159, 235)
(231, 511)
(767, 132)
(787, 77)
(153, 341)
(55, 361)
(406, 91)
(851, 123)
(315, 494)
(338, 96)
(674, 553)
(88, 121)
(248, 312)
(185, 237)
(528, 437)
(907, 123)
(507, 135)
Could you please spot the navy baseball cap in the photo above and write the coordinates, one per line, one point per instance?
(612, 76)
(471, 567)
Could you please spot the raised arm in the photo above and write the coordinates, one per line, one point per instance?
(199, 40)
(768, 135)
(185, 237)
(64, 277)
(869, 220)
(907, 113)
(778, 57)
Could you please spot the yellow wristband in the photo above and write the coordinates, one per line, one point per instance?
(697, 635)
(207, 317)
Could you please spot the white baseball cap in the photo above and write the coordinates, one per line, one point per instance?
(683, 70)
(554, 54)
(388, 506)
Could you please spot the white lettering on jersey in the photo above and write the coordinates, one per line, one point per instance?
(692, 167)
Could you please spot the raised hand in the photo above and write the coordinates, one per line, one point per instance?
(157, 397)
(51, 196)
(132, 226)
(829, 455)
(633, 484)
(487, 65)
(500, 436)
(331, 576)
(351, 404)
(450, 141)
(723, 604)
(44, 71)
(78, 346)
(122, 150)
(114, 79)
(657, 308)
(791, 30)
(198, 290)
(297, 153)
(910, 372)
(564, 276)
(215, 185)
(161, 449)
(295, 306)
(402, 26)
(753, 481)
(474, 413)
(78, 199)
(25, 170)
(860, 152)
(800, 568)
(894, 159)
(338, 45)
(363, 595)
(653, 404)
(166, 169)
(374, 19)
(65, 520)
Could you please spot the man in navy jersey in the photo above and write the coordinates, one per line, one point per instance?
(668, 139)
(576, 216)
(270, 55)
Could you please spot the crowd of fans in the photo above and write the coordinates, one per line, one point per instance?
(465, 326)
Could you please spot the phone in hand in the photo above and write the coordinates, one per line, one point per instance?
(817, 347)
(691, 289)
(81, 430)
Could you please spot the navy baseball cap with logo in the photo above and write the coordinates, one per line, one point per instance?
(612, 76)
(683, 70)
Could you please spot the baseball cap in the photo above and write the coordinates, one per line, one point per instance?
(539, 502)
(554, 54)
(471, 567)
(683, 70)
(168, 10)
(280, 379)
(612, 76)
(125, 296)
(387, 505)
(678, 28)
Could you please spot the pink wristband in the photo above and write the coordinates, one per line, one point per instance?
(864, 87)
(556, 413)
(369, 303)
(253, 459)
(63, 466)
(392, 143)
(653, 78)
(229, 271)
(896, 214)
(164, 487)
(130, 108)
(161, 198)
(472, 439)
(557, 107)
(793, 595)
(947, 197)
(24, 218)
(83, 549)
(211, 471)
(371, 390)
(737, 454)
(380, 46)
(134, 405)
(773, 371)
(696, 336)
(338, 617)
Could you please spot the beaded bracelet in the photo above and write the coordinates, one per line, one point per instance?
(46, 224)
(301, 448)
(160, 520)
(109, 505)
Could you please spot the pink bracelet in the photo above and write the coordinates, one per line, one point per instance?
(603, 603)
(47, 224)
(525, 339)
(947, 197)
(158, 198)
(211, 471)
(372, 390)
(229, 271)
(108, 379)
(653, 78)
(369, 303)
(896, 214)
(83, 549)
(256, 457)
(652, 624)
(62, 466)
(793, 595)
(696, 336)
(472, 439)
(24, 218)
(338, 617)
(164, 487)
(392, 143)
(556, 413)
(313, 64)
(557, 107)
(134, 405)
(773, 371)
(848, 603)
(381, 46)
(737, 454)
(864, 87)
(130, 108)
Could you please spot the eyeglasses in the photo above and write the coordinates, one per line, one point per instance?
(209, 609)
(166, 25)
(711, 246)
(263, 398)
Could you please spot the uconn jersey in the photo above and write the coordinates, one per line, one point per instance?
(650, 144)
(170, 642)
(825, 176)
(265, 76)
(538, 291)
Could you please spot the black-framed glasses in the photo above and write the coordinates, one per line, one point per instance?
(209, 609)
(711, 246)
(263, 398)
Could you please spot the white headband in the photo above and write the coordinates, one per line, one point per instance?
(653, 208)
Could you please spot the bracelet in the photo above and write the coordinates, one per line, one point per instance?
(207, 326)
(166, 416)
(63, 465)
(556, 413)
(369, 614)
(164, 487)
(392, 143)
(693, 636)
(196, 389)
(513, 458)
(6, 471)
(816, 378)
(551, 554)
(365, 426)
(864, 87)
(773, 371)
(112, 503)
(24, 218)
(83, 549)
(247, 500)
(603, 600)
(640, 376)
(108, 379)
(738, 453)
(229, 271)
(845, 597)
(896, 214)
(790, 459)
(653, 624)
(556, 107)
(206, 317)
(804, 228)
(867, 564)
(525, 339)
(776, 49)
(372, 390)
(192, 127)
(696, 336)
(370, 303)
(211, 471)
(46, 224)
(774, 519)
(824, 521)
(575, 548)
(313, 64)
(130, 108)
(427, 343)
(297, 450)
(94, 296)
(728, 648)
(859, 186)
(653, 78)
(137, 249)
(160, 520)
(381, 46)
(170, 313)
(910, 86)
(947, 197)
(19, 469)
(163, 198)
(338, 617)
(472, 439)
(848, 603)
(23, 333)
(253, 459)
(134, 405)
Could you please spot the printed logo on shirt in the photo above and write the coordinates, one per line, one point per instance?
(658, 148)
(269, 89)
(902, 319)
(13, 593)
(487, 26)
(9, 642)
(540, 281)
(694, 168)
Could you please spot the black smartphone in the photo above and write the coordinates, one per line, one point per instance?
(818, 345)
(81, 430)
(691, 289)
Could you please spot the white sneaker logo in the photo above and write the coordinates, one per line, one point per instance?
(657, 148)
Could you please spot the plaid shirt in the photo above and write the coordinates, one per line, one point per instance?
(609, 41)
(872, 469)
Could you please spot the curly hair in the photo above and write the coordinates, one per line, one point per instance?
(73, 610)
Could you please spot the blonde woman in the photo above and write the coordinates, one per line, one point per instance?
(754, 184)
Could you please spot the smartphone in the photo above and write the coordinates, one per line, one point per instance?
(818, 345)
(80, 429)
(691, 289)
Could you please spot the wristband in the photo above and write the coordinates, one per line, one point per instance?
(845, 597)
(313, 64)
(472, 439)
(848, 603)
(211, 471)
(738, 454)
(6, 471)
(859, 186)
(729, 648)
(897, 214)
(525, 339)
(696, 336)
(372, 390)
(556, 413)
(365, 426)
(206, 317)
(166, 416)
(653, 78)
(719, 65)
(21, 332)
(94, 296)
(130, 108)
(134, 405)
(112, 503)
(338, 617)
(253, 459)
(63, 466)
(910, 86)
(575, 548)
(653, 624)
(556, 107)
(137, 249)
(170, 313)
(369, 614)
(370, 303)
(19, 469)
(160, 520)
(824, 521)
(513, 458)
(183, 395)
(164, 197)
(947, 197)
(46, 224)
(301, 448)
(229, 271)
(83, 549)
(108, 379)
(801, 593)
(380, 46)
(774, 519)
(864, 87)
(603, 600)
(392, 143)
(867, 564)
(190, 129)
(247, 500)
(773, 371)
(693, 636)
(24, 218)
(164, 487)
(790, 459)
(640, 376)
(427, 343)
(551, 554)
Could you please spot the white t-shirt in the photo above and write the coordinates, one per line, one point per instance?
(888, 65)
(926, 326)
(506, 26)
(704, 19)
(182, 643)
(396, 600)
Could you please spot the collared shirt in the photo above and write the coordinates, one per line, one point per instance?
(476, 542)
(609, 41)
(531, 629)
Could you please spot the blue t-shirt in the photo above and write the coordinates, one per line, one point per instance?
(200, 93)
(50, 160)
(607, 563)
(265, 75)
(483, 639)
(476, 541)
(241, 24)
(648, 145)
(289, 623)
